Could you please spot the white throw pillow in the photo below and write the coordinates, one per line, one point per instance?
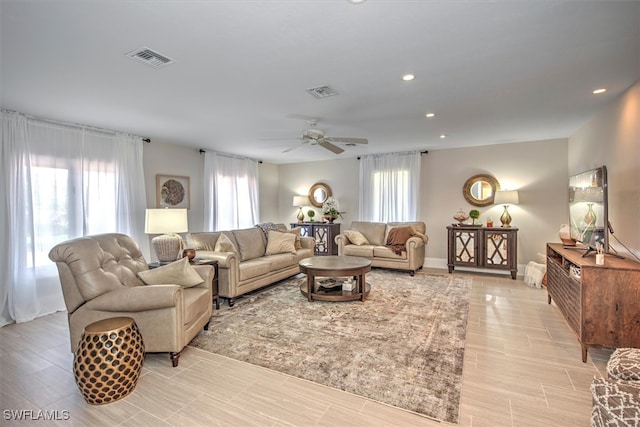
(356, 237)
(280, 243)
(224, 244)
(176, 273)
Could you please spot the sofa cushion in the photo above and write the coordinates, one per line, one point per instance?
(205, 241)
(356, 237)
(365, 251)
(296, 232)
(224, 244)
(374, 232)
(253, 268)
(280, 261)
(250, 243)
(175, 273)
(385, 252)
(280, 243)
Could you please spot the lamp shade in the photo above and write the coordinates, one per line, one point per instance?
(300, 201)
(166, 221)
(508, 197)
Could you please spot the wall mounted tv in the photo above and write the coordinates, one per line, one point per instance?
(588, 209)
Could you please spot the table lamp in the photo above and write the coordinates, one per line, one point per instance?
(300, 202)
(166, 222)
(506, 198)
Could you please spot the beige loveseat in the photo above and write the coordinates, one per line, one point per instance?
(374, 246)
(101, 278)
(246, 265)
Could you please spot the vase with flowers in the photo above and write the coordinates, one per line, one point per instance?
(331, 209)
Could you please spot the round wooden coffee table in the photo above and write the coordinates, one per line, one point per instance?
(335, 266)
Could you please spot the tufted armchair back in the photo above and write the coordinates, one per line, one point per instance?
(94, 265)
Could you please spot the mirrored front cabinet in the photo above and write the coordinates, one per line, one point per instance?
(324, 233)
(493, 248)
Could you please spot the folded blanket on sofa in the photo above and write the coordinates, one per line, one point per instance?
(397, 239)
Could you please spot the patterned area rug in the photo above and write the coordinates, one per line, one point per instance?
(403, 346)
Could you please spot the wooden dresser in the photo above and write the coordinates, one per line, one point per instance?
(601, 303)
(324, 233)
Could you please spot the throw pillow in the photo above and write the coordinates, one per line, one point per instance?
(224, 244)
(280, 243)
(296, 232)
(176, 273)
(356, 237)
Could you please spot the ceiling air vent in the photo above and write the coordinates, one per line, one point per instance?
(150, 57)
(322, 92)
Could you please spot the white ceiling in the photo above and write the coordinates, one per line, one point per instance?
(492, 71)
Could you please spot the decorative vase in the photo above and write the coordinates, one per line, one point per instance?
(565, 235)
(590, 216)
(590, 223)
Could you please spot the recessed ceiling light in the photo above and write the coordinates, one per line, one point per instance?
(408, 77)
(356, 1)
(601, 90)
(443, 136)
(430, 115)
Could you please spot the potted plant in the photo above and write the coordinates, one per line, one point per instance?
(474, 214)
(311, 213)
(331, 209)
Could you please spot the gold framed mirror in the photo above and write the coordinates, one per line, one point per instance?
(319, 193)
(479, 190)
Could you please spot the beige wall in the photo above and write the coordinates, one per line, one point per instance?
(612, 138)
(537, 169)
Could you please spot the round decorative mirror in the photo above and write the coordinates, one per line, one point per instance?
(479, 190)
(318, 194)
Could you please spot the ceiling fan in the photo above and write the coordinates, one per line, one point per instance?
(314, 136)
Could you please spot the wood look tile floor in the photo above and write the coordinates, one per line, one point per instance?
(522, 368)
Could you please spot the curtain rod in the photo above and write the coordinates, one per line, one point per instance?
(73, 125)
(202, 151)
(404, 152)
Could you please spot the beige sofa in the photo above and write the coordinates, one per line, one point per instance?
(247, 266)
(376, 233)
(100, 279)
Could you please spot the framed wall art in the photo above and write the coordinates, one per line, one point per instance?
(172, 191)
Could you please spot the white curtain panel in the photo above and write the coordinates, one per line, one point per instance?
(61, 182)
(231, 192)
(389, 187)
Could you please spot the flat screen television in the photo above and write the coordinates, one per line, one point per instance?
(588, 209)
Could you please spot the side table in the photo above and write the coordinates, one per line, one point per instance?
(200, 261)
(108, 360)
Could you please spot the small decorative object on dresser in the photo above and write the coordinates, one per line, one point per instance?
(565, 235)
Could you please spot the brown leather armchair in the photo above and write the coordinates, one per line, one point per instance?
(99, 278)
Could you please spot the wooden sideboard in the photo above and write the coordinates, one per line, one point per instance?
(601, 303)
(324, 233)
(494, 248)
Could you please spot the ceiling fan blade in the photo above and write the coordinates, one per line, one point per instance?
(348, 140)
(329, 146)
